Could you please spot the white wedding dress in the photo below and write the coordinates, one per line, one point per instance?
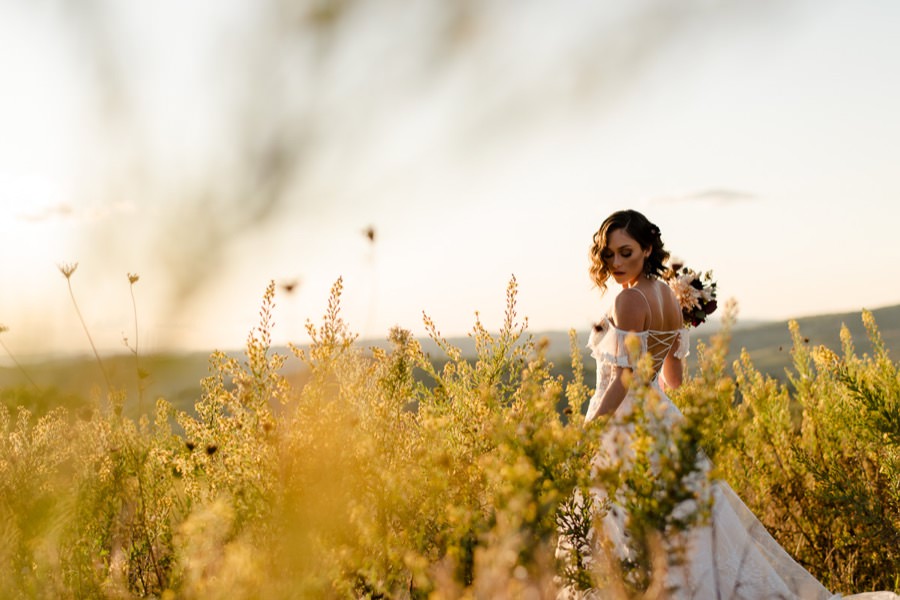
(731, 555)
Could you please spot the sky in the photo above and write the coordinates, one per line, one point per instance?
(762, 139)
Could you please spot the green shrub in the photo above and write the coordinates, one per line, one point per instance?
(816, 458)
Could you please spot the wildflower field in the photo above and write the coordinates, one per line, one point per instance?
(382, 475)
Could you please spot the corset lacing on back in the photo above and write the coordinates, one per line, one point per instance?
(607, 343)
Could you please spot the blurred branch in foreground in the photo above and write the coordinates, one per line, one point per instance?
(298, 99)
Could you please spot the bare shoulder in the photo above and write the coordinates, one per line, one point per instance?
(631, 311)
(665, 289)
(670, 306)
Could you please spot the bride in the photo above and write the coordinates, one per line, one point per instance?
(728, 554)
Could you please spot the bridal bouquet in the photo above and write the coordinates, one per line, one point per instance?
(696, 293)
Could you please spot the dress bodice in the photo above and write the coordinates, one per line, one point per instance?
(607, 344)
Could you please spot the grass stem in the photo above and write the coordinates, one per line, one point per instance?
(132, 279)
(15, 362)
(67, 270)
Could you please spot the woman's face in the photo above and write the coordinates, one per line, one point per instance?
(623, 256)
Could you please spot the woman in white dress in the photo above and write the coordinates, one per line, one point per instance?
(729, 554)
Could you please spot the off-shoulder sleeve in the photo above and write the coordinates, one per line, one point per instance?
(598, 332)
(608, 344)
(683, 343)
(617, 352)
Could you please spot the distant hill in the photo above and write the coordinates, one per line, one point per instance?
(769, 344)
(74, 381)
(177, 377)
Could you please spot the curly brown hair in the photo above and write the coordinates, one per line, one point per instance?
(642, 230)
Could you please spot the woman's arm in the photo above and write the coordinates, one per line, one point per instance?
(614, 394)
(672, 369)
(631, 314)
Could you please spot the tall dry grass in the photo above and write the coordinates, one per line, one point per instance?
(386, 476)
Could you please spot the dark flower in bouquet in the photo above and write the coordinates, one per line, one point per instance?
(696, 293)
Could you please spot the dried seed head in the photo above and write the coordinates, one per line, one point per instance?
(211, 449)
(67, 269)
(3, 328)
(133, 277)
(290, 286)
(190, 446)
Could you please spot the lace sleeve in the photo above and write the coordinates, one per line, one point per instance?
(607, 343)
(618, 352)
(683, 343)
(598, 332)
